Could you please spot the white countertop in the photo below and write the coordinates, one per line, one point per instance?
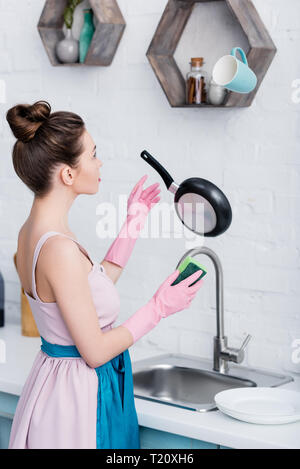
(214, 426)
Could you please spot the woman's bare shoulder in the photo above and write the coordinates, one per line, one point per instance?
(59, 248)
(55, 248)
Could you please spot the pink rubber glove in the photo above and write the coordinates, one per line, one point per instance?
(167, 300)
(139, 204)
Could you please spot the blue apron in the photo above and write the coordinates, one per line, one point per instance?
(117, 423)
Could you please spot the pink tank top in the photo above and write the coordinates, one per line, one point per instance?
(48, 316)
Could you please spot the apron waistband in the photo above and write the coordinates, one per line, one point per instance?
(56, 350)
(66, 351)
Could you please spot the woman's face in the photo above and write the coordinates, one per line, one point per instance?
(88, 174)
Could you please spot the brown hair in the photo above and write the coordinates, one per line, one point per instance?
(44, 141)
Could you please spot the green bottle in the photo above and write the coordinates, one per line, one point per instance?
(86, 34)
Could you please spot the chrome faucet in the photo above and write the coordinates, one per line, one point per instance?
(222, 353)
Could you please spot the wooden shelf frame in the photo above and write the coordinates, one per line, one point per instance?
(106, 38)
(167, 36)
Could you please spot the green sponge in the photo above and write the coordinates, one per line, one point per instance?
(187, 267)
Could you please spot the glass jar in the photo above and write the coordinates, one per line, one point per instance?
(196, 80)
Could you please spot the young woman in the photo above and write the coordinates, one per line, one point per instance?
(79, 393)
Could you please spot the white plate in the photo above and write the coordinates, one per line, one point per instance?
(261, 420)
(260, 404)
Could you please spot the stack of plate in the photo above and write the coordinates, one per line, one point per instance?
(260, 404)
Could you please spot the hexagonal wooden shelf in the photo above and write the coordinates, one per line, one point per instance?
(106, 38)
(167, 36)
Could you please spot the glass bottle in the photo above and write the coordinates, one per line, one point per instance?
(196, 80)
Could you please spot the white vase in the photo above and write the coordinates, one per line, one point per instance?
(67, 50)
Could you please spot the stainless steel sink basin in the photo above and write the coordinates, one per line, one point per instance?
(191, 383)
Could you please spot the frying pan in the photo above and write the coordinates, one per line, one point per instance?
(201, 206)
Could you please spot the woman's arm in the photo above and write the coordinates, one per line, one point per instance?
(69, 282)
(139, 204)
(121, 249)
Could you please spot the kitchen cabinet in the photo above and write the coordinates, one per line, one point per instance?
(8, 404)
(157, 439)
(5, 427)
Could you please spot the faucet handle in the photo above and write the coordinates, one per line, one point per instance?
(235, 355)
(240, 353)
(245, 343)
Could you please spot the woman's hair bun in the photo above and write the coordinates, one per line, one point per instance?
(25, 119)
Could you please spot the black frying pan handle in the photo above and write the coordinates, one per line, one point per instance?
(158, 167)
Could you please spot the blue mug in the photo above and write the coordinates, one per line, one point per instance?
(234, 74)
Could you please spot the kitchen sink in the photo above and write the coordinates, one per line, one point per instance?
(191, 383)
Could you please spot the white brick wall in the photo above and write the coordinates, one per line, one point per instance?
(252, 153)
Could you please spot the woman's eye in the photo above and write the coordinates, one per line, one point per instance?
(95, 154)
